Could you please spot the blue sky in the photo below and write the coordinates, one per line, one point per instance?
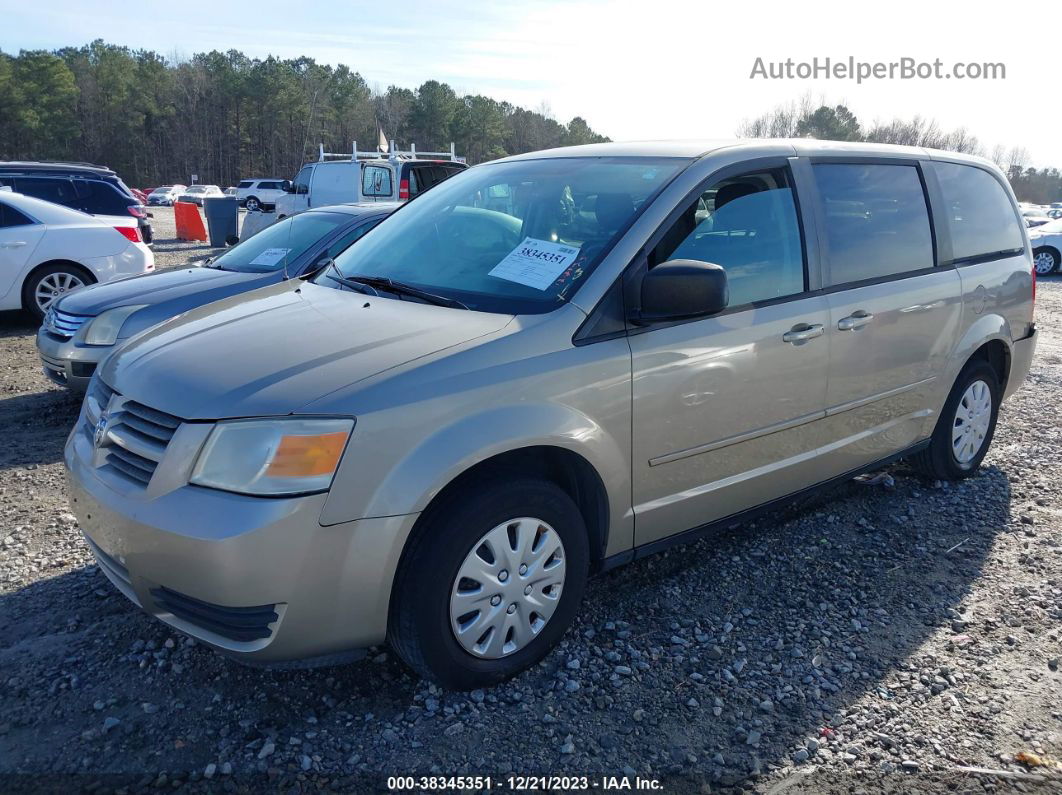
(632, 69)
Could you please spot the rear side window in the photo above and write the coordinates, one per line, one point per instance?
(876, 218)
(748, 225)
(978, 212)
(246, 183)
(9, 216)
(376, 181)
(59, 191)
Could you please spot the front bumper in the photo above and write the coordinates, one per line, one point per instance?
(67, 363)
(256, 578)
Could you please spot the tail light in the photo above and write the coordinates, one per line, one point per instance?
(403, 189)
(130, 233)
(137, 211)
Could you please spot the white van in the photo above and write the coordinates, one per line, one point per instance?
(366, 177)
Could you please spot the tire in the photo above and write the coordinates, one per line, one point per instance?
(1046, 261)
(252, 204)
(50, 283)
(430, 602)
(941, 460)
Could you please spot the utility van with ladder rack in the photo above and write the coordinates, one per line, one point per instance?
(366, 176)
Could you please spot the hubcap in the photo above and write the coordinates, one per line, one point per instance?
(507, 588)
(54, 285)
(1045, 263)
(972, 418)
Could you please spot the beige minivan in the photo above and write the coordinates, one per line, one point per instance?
(544, 367)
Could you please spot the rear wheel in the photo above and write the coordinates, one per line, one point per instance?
(49, 284)
(253, 204)
(966, 425)
(1046, 261)
(490, 583)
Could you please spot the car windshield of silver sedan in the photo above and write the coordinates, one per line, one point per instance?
(514, 237)
(279, 245)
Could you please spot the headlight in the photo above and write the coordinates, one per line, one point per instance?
(104, 328)
(281, 456)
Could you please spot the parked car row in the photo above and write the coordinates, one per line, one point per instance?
(91, 189)
(546, 366)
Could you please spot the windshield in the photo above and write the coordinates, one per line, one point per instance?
(161, 191)
(196, 189)
(281, 244)
(516, 237)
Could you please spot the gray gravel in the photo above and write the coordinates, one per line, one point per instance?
(879, 639)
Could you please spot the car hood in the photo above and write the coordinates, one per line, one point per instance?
(276, 349)
(159, 287)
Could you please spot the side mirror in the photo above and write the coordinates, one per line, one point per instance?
(681, 289)
(286, 186)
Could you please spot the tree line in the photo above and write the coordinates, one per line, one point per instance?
(225, 116)
(806, 118)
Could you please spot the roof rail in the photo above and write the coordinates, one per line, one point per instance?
(393, 154)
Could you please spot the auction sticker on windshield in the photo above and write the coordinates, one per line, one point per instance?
(535, 263)
(269, 257)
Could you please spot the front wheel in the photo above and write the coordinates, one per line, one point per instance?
(490, 582)
(1046, 261)
(966, 425)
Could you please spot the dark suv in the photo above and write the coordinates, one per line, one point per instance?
(80, 186)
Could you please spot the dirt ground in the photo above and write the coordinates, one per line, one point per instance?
(885, 638)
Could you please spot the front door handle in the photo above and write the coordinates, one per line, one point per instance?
(854, 321)
(803, 332)
(13, 244)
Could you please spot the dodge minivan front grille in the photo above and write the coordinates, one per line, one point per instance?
(138, 438)
(135, 436)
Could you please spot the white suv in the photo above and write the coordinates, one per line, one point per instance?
(259, 194)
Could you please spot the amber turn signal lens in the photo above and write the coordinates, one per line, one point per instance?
(304, 456)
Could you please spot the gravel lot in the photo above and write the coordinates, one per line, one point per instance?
(879, 639)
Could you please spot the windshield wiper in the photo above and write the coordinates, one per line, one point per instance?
(402, 289)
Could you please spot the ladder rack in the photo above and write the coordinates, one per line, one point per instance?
(393, 154)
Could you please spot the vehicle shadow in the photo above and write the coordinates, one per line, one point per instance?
(809, 609)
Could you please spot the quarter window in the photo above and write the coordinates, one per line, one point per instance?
(748, 225)
(876, 219)
(978, 212)
(9, 216)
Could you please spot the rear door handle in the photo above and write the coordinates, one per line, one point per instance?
(854, 321)
(803, 333)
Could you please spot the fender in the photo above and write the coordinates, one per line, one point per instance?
(419, 476)
(985, 329)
